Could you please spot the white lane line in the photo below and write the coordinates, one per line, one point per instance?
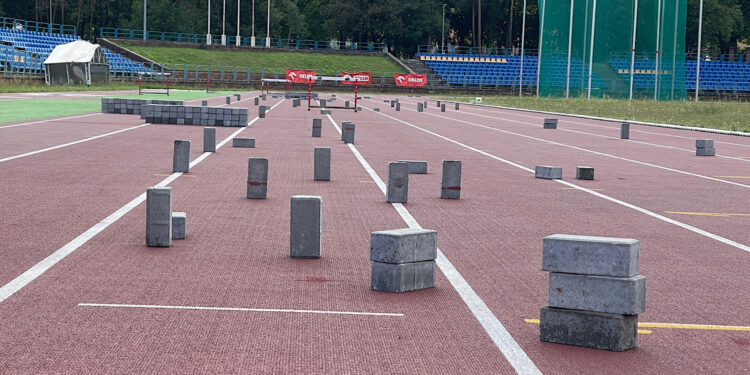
(49, 120)
(242, 309)
(72, 143)
(583, 149)
(491, 324)
(600, 195)
(38, 269)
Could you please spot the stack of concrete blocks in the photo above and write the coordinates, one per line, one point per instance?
(317, 127)
(398, 182)
(450, 181)
(704, 147)
(322, 164)
(181, 156)
(179, 225)
(548, 172)
(189, 115)
(305, 226)
(415, 166)
(257, 178)
(595, 292)
(347, 132)
(262, 111)
(403, 260)
(624, 130)
(159, 217)
(442, 108)
(585, 173)
(420, 107)
(550, 123)
(243, 142)
(132, 106)
(209, 139)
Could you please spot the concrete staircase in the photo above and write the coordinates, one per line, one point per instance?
(418, 67)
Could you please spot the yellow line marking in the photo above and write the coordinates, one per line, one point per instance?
(641, 331)
(732, 176)
(718, 214)
(569, 188)
(367, 182)
(707, 327)
(167, 175)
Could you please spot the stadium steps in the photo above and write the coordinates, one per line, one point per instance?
(420, 67)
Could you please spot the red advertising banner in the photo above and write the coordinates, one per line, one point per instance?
(300, 76)
(412, 80)
(359, 78)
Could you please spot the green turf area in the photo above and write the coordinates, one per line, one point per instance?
(30, 109)
(717, 115)
(38, 85)
(326, 64)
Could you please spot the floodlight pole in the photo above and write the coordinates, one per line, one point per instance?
(208, 33)
(268, 26)
(523, 39)
(539, 50)
(224, 23)
(591, 47)
(570, 45)
(674, 46)
(442, 43)
(252, 26)
(144, 20)
(237, 41)
(632, 50)
(698, 59)
(658, 50)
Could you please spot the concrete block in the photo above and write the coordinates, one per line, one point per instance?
(420, 108)
(347, 132)
(317, 127)
(450, 182)
(442, 108)
(398, 182)
(257, 178)
(358, 109)
(255, 101)
(323, 104)
(179, 225)
(305, 228)
(243, 142)
(705, 151)
(376, 109)
(585, 173)
(209, 139)
(403, 245)
(159, 216)
(603, 256)
(404, 277)
(438, 103)
(204, 103)
(238, 97)
(588, 329)
(456, 106)
(346, 103)
(393, 103)
(229, 100)
(544, 171)
(325, 112)
(181, 156)
(322, 163)
(615, 295)
(398, 107)
(415, 166)
(550, 123)
(624, 130)
(704, 143)
(263, 97)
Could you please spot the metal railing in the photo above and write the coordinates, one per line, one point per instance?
(260, 41)
(463, 50)
(24, 25)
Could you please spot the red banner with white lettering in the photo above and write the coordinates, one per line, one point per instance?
(411, 80)
(358, 78)
(300, 76)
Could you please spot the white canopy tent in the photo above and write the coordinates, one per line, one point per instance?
(78, 62)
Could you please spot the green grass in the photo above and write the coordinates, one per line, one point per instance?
(709, 114)
(327, 64)
(31, 109)
(36, 85)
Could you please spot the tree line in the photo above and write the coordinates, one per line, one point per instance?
(402, 24)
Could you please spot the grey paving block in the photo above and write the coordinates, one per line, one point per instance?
(588, 329)
(358, 109)
(404, 277)
(708, 151)
(704, 143)
(585, 173)
(450, 181)
(255, 101)
(604, 256)
(398, 182)
(420, 107)
(398, 107)
(243, 142)
(209, 139)
(262, 111)
(181, 156)
(438, 103)
(376, 109)
(403, 245)
(179, 225)
(305, 228)
(624, 130)
(229, 99)
(323, 104)
(257, 178)
(415, 166)
(159, 216)
(322, 164)
(442, 108)
(615, 295)
(347, 132)
(548, 172)
(346, 103)
(456, 107)
(393, 103)
(325, 112)
(550, 123)
(317, 127)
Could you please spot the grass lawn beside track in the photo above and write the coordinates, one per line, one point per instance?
(32, 109)
(723, 115)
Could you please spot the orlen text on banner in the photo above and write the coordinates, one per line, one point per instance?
(300, 76)
(411, 80)
(358, 78)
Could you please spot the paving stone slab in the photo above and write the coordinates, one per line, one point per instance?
(404, 277)
(615, 295)
(588, 255)
(403, 245)
(588, 329)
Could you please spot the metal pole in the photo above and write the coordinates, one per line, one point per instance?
(237, 42)
(658, 51)
(208, 33)
(442, 43)
(539, 51)
(224, 23)
(674, 46)
(698, 59)
(144, 20)
(591, 47)
(523, 39)
(570, 44)
(268, 26)
(632, 50)
(252, 26)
